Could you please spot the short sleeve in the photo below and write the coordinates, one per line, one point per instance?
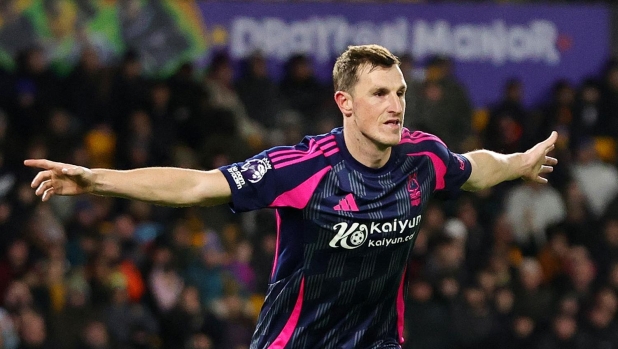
(458, 171)
(253, 183)
(451, 170)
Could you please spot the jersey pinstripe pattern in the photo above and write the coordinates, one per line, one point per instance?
(344, 236)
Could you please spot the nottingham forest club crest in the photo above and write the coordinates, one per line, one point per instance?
(414, 190)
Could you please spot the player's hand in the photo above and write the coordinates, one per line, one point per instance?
(60, 179)
(537, 162)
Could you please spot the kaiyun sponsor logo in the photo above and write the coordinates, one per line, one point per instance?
(354, 235)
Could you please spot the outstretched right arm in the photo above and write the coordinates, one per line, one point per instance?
(168, 186)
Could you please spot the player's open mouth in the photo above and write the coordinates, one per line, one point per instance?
(394, 122)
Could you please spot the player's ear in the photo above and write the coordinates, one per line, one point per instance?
(344, 102)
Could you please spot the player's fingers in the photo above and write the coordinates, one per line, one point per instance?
(551, 161)
(47, 194)
(43, 187)
(541, 180)
(41, 177)
(553, 137)
(546, 169)
(550, 148)
(41, 163)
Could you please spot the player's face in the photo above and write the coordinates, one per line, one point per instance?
(379, 104)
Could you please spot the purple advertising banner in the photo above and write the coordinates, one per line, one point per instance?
(487, 43)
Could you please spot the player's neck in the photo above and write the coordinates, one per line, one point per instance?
(364, 150)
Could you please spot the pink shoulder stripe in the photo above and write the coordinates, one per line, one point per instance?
(288, 330)
(299, 196)
(418, 137)
(326, 139)
(327, 145)
(407, 133)
(282, 157)
(416, 133)
(306, 157)
(298, 155)
(438, 165)
(331, 152)
(312, 145)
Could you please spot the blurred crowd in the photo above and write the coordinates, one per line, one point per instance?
(521, 265)
(611, 2)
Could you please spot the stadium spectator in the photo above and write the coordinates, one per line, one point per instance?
(597, 180)
(531, 208)
(508, 121)
(86, 90)
(301, 89)
(444, 108)
(258, 92)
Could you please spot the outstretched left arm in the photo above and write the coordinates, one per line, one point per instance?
(490, 168)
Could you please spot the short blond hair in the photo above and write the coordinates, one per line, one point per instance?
(345, 72)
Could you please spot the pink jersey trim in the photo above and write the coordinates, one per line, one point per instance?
(279, 160)
(274, 156)
(327, 146)
(278, 218)
(313, 144)
(282, 158)
(331, 152)
(401, 308)
(418, 136)
(299, 196)
(306, 157)
(288, 330)
(438, 164)
(326, 139)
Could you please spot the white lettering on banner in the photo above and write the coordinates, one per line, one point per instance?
(497, 42)
(326, 37)
(322, 37)
(351, 236)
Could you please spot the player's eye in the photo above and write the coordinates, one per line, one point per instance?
(380, 93)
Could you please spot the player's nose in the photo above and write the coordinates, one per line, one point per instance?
(396, 104)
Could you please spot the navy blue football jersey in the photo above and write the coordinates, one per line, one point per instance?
(344, 233)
